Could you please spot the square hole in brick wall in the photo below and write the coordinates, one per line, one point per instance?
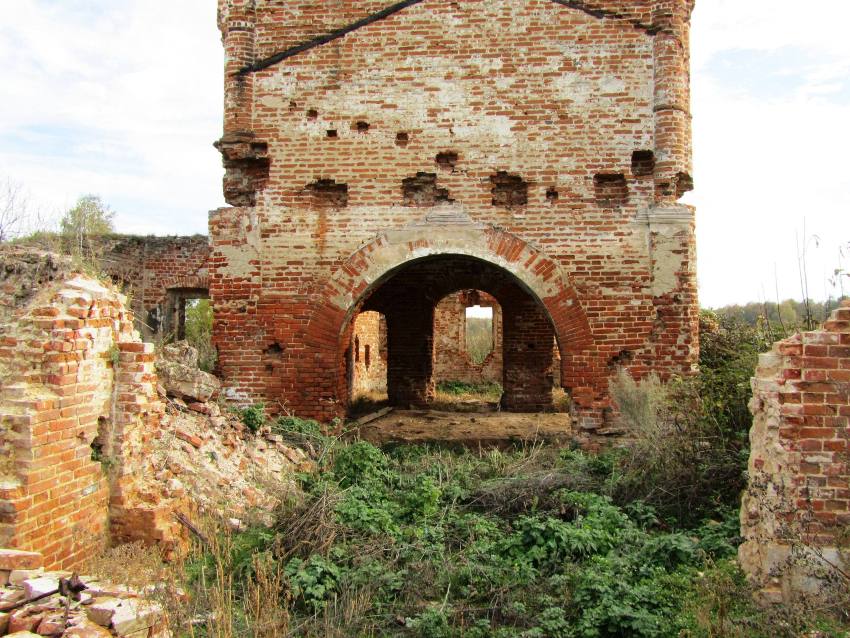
(326, 193)
(643, 163)
(611, 189)
(422, 190)
(509, 190)
(446, 161)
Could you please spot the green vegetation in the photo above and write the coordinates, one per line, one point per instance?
(786, 316)
(253, 417)
(479, 338)
(198, 326)
(89, 217)
(424, 542)
(536, 541)
(452, 395)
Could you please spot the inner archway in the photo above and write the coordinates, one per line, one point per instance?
(408, 299)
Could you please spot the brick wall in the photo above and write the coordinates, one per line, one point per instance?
(796, 511)
(156, 273)
(78, 414)
(549, 140)
(368, 355)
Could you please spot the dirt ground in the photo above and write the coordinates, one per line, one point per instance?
(466, 428)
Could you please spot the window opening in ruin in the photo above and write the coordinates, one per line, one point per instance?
(332, 133)
(361, 127)
(312, 114)
(552, 195)
(401, 139)
(367, 375)
(479, 333)
(178, 302)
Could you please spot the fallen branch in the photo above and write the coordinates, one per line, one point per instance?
(185, 522)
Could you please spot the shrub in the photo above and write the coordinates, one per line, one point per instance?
(682, 462)
(253, 416)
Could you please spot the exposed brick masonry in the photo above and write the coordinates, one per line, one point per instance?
(548, 139)
(796, 510)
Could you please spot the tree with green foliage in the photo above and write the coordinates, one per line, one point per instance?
(89, 217)
(199, 318)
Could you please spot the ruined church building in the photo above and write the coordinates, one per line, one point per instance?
(380, 157)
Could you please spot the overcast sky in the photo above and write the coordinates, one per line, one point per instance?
(123, 98)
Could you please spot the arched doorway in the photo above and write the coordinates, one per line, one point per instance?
(407, 298)
(358, 284)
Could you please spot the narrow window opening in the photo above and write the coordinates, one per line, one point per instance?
(479, 333)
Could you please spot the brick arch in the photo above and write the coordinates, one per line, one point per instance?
(583, 368)
(195, 281)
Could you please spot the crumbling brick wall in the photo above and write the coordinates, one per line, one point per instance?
(78, 413)
(157, 274)
(452, 361)
(368, 356)
(549, 140)
(795, 517)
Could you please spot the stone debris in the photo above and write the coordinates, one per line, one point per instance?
(178, 373)
(103, 609)
(210, 458)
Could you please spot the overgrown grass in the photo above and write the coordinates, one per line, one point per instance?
(537, 541)
(451, 394)
(423, 541)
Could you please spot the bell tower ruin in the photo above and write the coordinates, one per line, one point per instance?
(380, 157)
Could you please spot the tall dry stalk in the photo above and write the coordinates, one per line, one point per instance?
(266, 608)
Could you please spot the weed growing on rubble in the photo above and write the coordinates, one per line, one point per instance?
(253, 417)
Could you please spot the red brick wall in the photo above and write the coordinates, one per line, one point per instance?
(73, 373)
(146, 268)
(796, 510)
(502, 130)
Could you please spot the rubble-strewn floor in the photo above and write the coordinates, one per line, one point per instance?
(480, 428)
(225, 470)
(101, 609)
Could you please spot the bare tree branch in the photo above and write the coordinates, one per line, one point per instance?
(13, 208)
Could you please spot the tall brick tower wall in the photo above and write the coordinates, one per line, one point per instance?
(382, 156)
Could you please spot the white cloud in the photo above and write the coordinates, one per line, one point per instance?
(770, 145)
(124, 99)
(120, 99)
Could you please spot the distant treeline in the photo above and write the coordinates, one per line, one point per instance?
(791, 314)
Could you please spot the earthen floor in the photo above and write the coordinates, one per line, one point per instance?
(469, 429)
